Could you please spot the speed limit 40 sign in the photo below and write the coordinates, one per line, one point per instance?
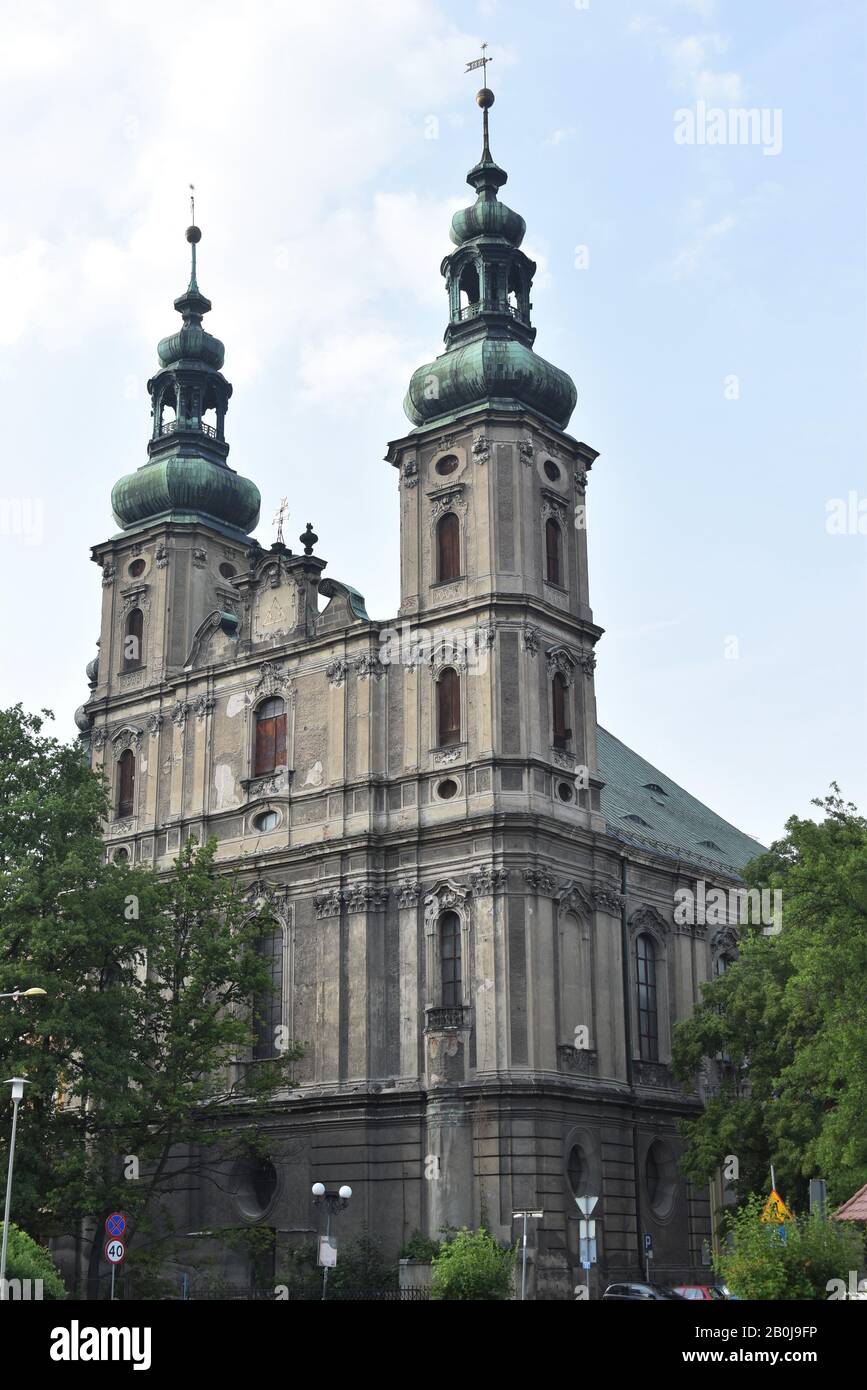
(115, 1250)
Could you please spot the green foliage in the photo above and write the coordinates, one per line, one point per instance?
(139, 1048)
(421, 1247)
(758, 1263)
(27, 1260)
(791, 1017)
(472, 1266)
(361, 1267)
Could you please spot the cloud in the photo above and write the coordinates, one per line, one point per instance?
(690, 57)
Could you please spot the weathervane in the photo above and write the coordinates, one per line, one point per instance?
(193, 203)
(480, 63)
(279, 517)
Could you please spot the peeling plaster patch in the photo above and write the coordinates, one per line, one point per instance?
(235, 704)
(314, 776)
(224, 783)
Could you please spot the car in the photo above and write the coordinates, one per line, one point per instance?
(637, 1293)
(699, 1292)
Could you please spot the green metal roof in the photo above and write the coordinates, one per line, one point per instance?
(645, 808)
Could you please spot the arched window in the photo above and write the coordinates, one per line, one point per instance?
(270, 737)
(553, 548)
(268, 1007)
(516, 292)
(125, 784)
(559, 710)
(448, 708)
(450, 960)
(133, 631)
(648, 1022)
(469, 287)
(448, 547)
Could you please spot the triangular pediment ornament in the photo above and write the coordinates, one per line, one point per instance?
(447, 895)
(647, 918)
(574, 898)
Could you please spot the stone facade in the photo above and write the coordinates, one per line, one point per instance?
(531, 1085)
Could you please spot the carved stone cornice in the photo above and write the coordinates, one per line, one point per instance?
(367, 665)
(487, 880)
(408, 893)
(606, 899)
(180, 710)
(540, 880)
(336, 671)
(328, 904)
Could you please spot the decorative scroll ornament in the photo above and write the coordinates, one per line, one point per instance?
(204, 705)
(607, 899)
(328, 904)
(368, 665)
(410, 471)
(526, 452)
(481, 448)
(162, 556)
(408, 894)
(200, 558)
(574, 898)
(587, 662)
(127, 737)
(108, 573)
(448, 896)
(581, 479)
(272, 681)
(561, 659)
(531, 639)
(487, 880)
(336, 672)
(180, 710)
(646, 918)
(153, 724)
(98, 738)
(540, 880)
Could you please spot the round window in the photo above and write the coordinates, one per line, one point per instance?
(266, 820)
(136, 568)
(256, 1185)
(660, 1176)
(565, 792)
(227, 571)
(446, 465)
(120, 856)
(577, 1171)
(551, 470)
(447, 788)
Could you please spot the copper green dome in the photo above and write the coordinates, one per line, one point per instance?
(182, 485)
(187, 476)
(499, 371)
(489, 355)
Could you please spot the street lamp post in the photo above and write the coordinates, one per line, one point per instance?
(525, 1216)
(17, 994)
(333, 1202)
(17, 1083)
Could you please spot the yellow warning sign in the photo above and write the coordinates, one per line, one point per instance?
(775, 1209)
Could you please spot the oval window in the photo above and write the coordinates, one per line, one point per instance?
(446, 465)
(660, 1176)
(551, 470)
(266, 820)
(565, 792)
(227, 571)
(136, 568)
(447, 788)
(255, 1186)
(120, 856)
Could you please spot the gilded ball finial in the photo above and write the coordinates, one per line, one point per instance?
(193, 234)
(485, 98)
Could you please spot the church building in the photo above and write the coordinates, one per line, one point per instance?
(472, 883)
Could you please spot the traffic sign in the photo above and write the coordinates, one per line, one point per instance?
(775, 1208)
(115, 1224)
(648, 1244)
(586, 1204)
(115, 1251)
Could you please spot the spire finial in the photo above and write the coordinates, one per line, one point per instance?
(485, 99)
(279, 517)
(193, 235)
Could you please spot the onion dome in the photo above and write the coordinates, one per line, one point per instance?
(489, 357)
(186, 477)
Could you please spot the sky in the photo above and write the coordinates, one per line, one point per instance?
(707, 296)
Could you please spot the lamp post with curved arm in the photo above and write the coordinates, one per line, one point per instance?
(333, 1202)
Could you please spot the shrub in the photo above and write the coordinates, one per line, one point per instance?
(762, 1263)
(25, 1259)
(473, 1266)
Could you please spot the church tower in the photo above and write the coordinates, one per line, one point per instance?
(482, 970)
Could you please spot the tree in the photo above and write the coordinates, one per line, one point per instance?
(796, 1261)
(25, 1260)
(138, 1056)
(789, 1018)
(472, 1266)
